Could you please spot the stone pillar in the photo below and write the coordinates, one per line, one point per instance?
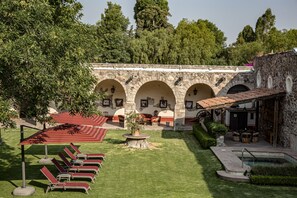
(179, 115)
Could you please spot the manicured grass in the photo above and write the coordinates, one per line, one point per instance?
(177, 167)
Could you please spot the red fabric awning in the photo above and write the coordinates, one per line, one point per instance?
(65, 134)
(65, 117)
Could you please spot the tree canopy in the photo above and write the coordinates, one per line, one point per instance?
(151, 14)
(112, 35)
(44, 55)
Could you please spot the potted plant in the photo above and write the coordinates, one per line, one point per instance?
(133, 123)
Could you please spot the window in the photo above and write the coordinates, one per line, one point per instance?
(252, 116)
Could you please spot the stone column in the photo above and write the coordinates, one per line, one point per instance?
(179, 115)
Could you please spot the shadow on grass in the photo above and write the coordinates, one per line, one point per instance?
(114, 141)
(40, 149)
(172, 134)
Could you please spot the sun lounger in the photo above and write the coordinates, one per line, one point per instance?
(64, 174)
(55, 184)
(79, 154)
(75, 160)
(71, 167)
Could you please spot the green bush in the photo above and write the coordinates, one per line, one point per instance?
(267, 175)
(274, 171)
(203, 138)
(215, 128)
(273, 180)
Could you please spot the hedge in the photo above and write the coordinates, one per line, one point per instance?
(274, 170)
(266, 175)
(203, 138)
(215, 128)
(273, 180)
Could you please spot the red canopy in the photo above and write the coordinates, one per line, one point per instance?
(65, 134)
(65, 117)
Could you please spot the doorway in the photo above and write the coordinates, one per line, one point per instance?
(238, 120)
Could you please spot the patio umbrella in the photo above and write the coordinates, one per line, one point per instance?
(65, 133)
(66, 117)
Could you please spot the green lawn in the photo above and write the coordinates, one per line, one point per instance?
(177, 167)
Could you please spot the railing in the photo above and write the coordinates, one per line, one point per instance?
(242, 152)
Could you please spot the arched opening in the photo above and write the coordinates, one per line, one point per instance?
(195, 93)
(242, 116)
(269, 82)
(289, 84)
(237, 89)
(112, 105)
(156, 99)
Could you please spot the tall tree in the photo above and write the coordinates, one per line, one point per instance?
(156, 47)
(196, 43)
(151, 14)
(264, 24)
(43, 56)
(113, 35)
(220, 42)
(247, 35)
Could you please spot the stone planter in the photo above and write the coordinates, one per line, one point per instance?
(220, 140)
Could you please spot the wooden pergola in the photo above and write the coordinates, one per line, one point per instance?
(248, 96)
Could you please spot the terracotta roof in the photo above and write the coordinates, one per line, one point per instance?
(66, 133)
(65, 117)
(238, 98)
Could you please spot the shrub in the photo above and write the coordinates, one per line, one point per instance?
(274, 171)
(273, 180)
(215, 128)
(203, 138)
(267, 175)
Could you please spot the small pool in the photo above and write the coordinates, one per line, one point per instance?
(266, 159)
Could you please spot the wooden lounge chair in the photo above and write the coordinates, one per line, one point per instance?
(79, 154)
(71, 167)
(75, 160)
(55, 184)
(64, 174)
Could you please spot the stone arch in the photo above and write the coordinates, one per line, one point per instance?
(113, 104)
(156, 98)
(237, 89)
(196, 92)
(223, 92)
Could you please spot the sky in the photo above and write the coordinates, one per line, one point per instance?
(230, 16)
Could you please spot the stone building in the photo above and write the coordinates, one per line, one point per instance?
(167, 91)
(279, 71)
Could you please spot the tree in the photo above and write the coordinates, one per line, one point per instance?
(264, 24)
(196, 43)
(247, 35)
(220, 39)
(113, 36)
(156, 47)
(151, 14)
(43, 54)
(241, 54)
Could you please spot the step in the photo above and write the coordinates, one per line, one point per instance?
(233, 177)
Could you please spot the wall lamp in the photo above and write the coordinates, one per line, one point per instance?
(129, 80)
(177, 82)
(220, 80)
(195, 91)
(112, 89)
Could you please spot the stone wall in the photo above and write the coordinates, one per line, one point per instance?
(279, 69)
(131, 77)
